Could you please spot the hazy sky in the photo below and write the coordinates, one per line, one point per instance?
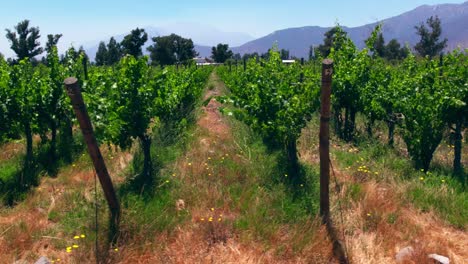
(82, 21)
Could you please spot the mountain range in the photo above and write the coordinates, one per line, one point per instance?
(454, 22)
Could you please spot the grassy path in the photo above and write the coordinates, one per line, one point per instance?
(235, 215)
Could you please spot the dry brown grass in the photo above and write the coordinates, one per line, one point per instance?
(378, 224)
(26, 230)
(11, 149)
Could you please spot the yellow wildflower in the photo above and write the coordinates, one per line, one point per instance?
(212, 209)
(190, 164)
(82, 236)
(421, 178)
(76, 237)
(116, 249)
(219, 219)
(76, 246)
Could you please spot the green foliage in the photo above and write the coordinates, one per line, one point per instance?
(24, 42)
(114, 52)
(325, 48)
(421, 102)
(52, 41)
(275, 101)
(429, 44)
(221, 53)
(394, 51)
(101, 54)
(172, 49)
(132, 43)
(351, 73)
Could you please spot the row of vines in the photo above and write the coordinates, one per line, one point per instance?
(124, 102)
(420, 98)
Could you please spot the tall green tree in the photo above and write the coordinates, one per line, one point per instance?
(325, 48)
(394, 51)
(284, 54)
(172, 49)
(52, 41)
(101, 54)
(221, 53)
(114, 52)
(429, 44)
(25, 41)
(132, 43)
(379, 46)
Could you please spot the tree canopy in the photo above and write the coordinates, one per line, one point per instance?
(221, 53)
(25, 41)
(172, 49)
(429, 44)
(132, 43)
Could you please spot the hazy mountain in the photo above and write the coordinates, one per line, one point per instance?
(454, 19)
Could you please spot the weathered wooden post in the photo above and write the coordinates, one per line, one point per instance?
(324, 137)
(74, 92)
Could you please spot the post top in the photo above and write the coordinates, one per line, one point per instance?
(327, 62)
(70, 81)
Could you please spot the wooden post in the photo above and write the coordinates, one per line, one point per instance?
(74, 92)
(327, 70)
(245, 64)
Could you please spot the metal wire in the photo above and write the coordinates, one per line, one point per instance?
(96, 219)
(340, 208)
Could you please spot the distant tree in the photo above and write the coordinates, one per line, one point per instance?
(265, 55)
(172, 49)
(184, 49)
(311, 52)
(429, 44)
(379, 46)
(247, 56)
(394, 51)
(284, 54)
(237, 56)
(221, 53)
(25, 41)
(324, 48)
(133, 42)
(52, 41)
(101, 54)
(114, 52)
(82, 51)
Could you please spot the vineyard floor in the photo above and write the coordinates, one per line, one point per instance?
(215, 204)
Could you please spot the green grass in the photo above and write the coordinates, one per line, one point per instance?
(438, 190)
(266, 201)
